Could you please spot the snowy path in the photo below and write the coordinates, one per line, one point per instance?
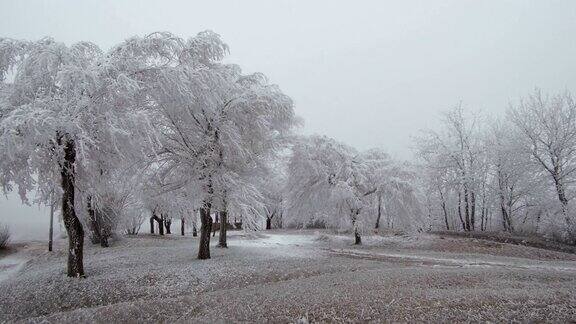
(455, 262)
(10, 265)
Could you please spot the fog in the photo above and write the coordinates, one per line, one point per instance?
(368, 74)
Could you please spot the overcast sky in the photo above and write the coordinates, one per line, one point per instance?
(368, 73)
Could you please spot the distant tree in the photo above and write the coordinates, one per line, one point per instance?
(548, 128)
(326, 182)
(394, 190)
(4, 236)
(455, 161)
(273, 192)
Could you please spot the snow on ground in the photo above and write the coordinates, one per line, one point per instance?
(9, 266)
(287, 276)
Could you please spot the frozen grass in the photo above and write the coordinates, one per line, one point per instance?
(289, 276)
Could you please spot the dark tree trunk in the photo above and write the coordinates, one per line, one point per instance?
(182, 226)
(482, 216)
(466, 208)
(152, 225)
(168, 224)
(472, 211)
(206, 227)
(268, 223)
(564, 201)
(223, 222)
(509, 217)
(194, 231)
(51, 231)
(443, 204)
(71, 221)
(160, 221)
(357, 238)
(377, 226)
(99, 233)
(460, 210)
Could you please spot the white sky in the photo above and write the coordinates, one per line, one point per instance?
(368, 73)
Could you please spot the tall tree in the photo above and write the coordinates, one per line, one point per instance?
(216, 129)
(66, 109)
(548, 128)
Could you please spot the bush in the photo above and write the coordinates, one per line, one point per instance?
(132, 222)
(4, 236)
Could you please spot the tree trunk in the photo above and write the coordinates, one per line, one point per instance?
(51, 230)
(482, 216)
(160, 221)
(466, 208)
(223, 221)
(268, 223)
(94, 227)
(357, 238)
(564, 201)
(99, 233)
(460, 210)
(472, 211)
(509, 216)
(182, 226)
(194, 231)
(377, 226)
(206, 227)
(168, 224)
(152, 225)
(71, 221)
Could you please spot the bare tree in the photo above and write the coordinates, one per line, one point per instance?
(548, 126)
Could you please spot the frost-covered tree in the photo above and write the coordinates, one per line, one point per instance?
(514, 174)
(547, 125)
(394, 190)
(217, 129)
(511, 178)
(455, 161)
(326, 183)
(273, 192)
(65, 112)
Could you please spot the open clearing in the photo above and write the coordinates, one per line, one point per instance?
(287, 276)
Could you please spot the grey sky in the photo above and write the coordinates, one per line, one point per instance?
(369, 73)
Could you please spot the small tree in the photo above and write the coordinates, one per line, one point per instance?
(326, 182)
(132, 221)
(4, 236)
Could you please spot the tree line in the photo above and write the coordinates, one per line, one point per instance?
(514, 173)
(159, 127)
(157, 123)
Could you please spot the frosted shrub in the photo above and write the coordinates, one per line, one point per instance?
(4, 236)
(131, 222)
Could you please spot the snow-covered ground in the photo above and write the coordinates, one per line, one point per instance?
(289, 276)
